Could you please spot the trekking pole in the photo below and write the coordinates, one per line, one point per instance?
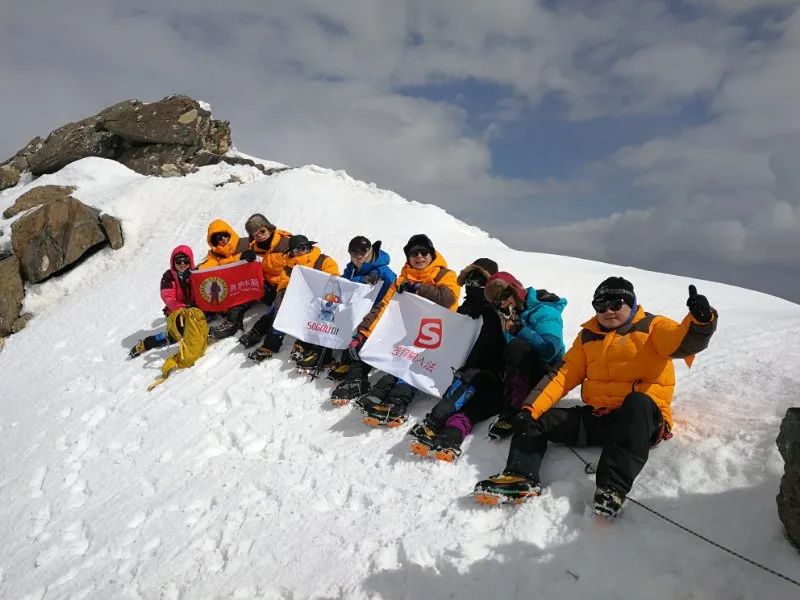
(318, 366)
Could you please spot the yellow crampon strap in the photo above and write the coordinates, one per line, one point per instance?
(189, 327)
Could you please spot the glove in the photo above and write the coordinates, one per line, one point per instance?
(699, 306)
(467, 375)
(355, 346)
(408, 286)
(372, 277)
(523, 421)
(249, 255)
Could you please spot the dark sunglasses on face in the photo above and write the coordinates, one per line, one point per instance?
(602, 306)
(181, 261)
(300, 250)
(217, 238)
(419, 252)
(357, 252)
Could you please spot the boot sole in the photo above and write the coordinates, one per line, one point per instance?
(420, 449)
(340, 401)
(495, 499)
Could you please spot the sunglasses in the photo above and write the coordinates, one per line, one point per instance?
(602, 306)
(181, 261)
(358, 251)
(419, 252)
(219, 238)
(299, 250)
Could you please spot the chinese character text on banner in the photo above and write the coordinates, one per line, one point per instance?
(323, 309)
(421, 342)
(221, 288)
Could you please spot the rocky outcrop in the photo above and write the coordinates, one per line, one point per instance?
(35, 197)
(11, 293)
(113, 230)
(54, 236)
(789, 495)
(167, 138)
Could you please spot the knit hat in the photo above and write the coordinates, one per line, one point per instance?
(485, 266)
(359, 244)
(256, 222)
(499, 283)
(298, 240)
(419, 240)
(613, 288)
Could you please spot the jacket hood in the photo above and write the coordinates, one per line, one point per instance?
(220, 226)
(306, 260)
(381, 260)
(532, 301)
(182, 249)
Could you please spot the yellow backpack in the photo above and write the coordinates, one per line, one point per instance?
(189, 327)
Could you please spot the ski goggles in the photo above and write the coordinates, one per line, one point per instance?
(181, 260)
(602, 306)
(219, 238)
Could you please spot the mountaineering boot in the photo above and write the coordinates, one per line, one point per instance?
(349, 389)
(506, 487)
(250, 338)
(314, 358)
(257, 331)
(269, 347)
(260, 354)
(224, 330)
(502, 427)
(608, 502)
(158, 340)
(297, 352)
(423, 435)
(447, 444)
(339, 371)
(384, 414)
(137, 350)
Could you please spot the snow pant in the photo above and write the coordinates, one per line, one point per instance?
(394, 390)
(486, 400)
(626, 435)
(524, 369)
(358, 369)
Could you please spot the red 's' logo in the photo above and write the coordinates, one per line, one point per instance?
(430, 334)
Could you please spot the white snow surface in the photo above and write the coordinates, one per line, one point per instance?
(235, 480)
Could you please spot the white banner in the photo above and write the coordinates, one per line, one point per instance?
(421, 342)
(323, 309)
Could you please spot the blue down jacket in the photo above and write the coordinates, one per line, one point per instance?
(380, 264)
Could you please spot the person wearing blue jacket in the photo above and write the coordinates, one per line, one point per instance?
(534, 330)
(368, 264)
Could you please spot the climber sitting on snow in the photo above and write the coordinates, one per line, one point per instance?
(622, 358)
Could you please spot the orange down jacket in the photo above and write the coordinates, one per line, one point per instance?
(437, 284)
(306, 260)
(273, 259)
(611, 364)
(218, 256)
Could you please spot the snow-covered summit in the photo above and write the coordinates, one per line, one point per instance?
(235, 480)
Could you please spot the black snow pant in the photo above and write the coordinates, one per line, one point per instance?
(626, 435)
(524, 369)
(486, 402)
(394, 390)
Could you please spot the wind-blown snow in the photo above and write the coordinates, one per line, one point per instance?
(235, 480)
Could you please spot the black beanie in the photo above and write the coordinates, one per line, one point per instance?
(615, 287)
(420, 240)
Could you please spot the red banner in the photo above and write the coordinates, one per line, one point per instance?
(221, 288)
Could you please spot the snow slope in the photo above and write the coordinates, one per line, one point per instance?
(234, 480)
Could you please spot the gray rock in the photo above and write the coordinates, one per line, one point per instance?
(11, 293)
(113, 230)
(159, 159)
(70, 143)
(172, 120)
(54, 236)
(2, 342)
(37, 196)
(20, 322)
(789, 495)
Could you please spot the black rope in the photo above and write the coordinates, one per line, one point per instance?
(589, 469)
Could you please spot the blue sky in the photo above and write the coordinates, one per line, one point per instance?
(660, 133)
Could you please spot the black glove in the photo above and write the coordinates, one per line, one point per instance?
(523, 421)
(408, 286)
(699, 306)
(467, 375)
(249, 255)
(355, 346)
(372, 277)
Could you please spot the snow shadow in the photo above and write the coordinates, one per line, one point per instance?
(637, 556)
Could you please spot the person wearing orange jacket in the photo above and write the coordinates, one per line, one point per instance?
(424, 274)
(300, 251)
(225, 247)
(271, 244)
(622, 358)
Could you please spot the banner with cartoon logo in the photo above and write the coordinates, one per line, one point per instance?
(221, 288)
(421, 342)
(323, 309)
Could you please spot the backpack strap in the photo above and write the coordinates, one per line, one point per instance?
(440, 275)
(318, 263)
